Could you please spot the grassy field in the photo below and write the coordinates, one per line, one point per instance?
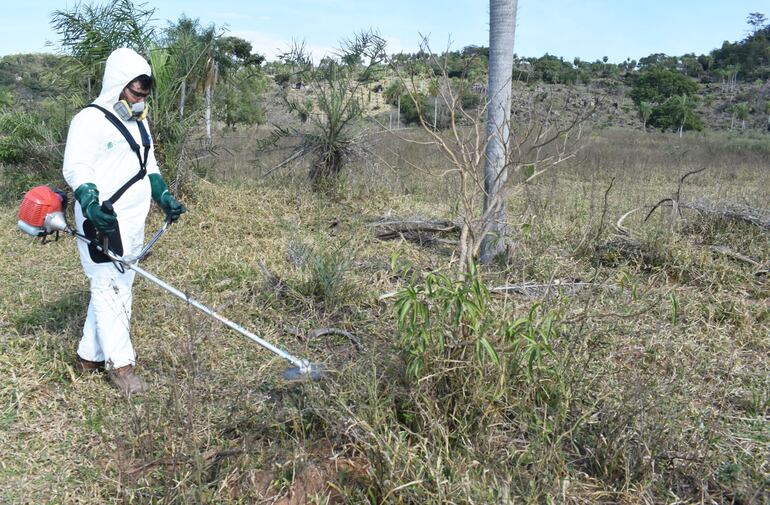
(653, 386)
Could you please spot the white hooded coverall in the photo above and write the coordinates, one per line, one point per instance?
(97, 152)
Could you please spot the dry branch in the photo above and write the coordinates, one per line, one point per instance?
(743, 213)
(544, 290)
(420, 231)
(320, 332)
(726, 251)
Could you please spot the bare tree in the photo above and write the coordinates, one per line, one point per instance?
(544, 136)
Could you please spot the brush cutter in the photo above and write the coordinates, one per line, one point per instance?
(42, 213)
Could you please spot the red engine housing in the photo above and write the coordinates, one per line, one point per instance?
(38, 203)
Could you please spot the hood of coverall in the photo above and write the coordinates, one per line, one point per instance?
(122, 66)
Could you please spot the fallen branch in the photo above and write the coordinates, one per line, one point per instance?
(420, 231)
(542, 290)
(744, 214)
(320, 332)
(721, 249)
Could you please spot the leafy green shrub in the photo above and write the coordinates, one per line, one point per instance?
(394, 90)
(239, 104)
(32, 147)
(410, 113)
(675, 113)
(659, 84)
(443, 319)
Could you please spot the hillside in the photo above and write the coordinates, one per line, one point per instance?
(614, 107)
(31, 78)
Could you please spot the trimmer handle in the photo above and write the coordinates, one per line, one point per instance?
(107, 208)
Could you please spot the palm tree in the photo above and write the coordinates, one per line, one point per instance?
(682, 111)
(645, 111)
(184, 44)
(502, 26)
(741, 111)
(335, 106)
(90, 33)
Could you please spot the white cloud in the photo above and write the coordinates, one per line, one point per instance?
(271, 45)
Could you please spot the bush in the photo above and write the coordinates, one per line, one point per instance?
(675, 113)
(240, 103)
(659, 84)
(32, 147)
(410, 113)
(394, 90)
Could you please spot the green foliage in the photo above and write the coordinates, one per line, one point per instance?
(532, 336)
(31, 77)
(171, 129)
(657, 60)
(412, 106)
(741, 110)
(665, 97)
(658, 84)
(394, 90)
(336, 104)
(89, 33)
(32, 145)
(676, 114)
(750, 57)
(469, 99)
(6, 98)
(553, 70)
(441, 319)
(239, 102)
(645, 111)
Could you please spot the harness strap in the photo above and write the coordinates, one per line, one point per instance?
(134, 147)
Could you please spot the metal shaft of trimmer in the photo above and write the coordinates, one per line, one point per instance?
(303, 365)
(235, 326)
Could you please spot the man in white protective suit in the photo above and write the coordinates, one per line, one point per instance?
(109, 162)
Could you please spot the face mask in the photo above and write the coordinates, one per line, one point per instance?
(127, 112)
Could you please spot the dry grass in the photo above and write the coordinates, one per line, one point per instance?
(657, 391)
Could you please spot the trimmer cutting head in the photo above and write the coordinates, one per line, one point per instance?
(308, 371)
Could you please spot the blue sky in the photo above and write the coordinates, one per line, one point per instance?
(589, 29)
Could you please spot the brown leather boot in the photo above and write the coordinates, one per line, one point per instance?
(128, 381)
(86, 366)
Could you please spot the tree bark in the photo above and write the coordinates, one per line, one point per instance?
(211, 80)
(502, 28)
(182, 97)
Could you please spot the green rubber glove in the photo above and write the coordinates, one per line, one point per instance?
(165, 199)
(88, 197)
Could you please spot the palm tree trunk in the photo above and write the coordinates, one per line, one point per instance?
(211, 80)
(435, 111)
(207, 98)
(182, 98)
(502, 27)
(398, 114)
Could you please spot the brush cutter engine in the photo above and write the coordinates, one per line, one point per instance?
(42, 212)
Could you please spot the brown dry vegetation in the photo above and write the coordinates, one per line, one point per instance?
(656, 392)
